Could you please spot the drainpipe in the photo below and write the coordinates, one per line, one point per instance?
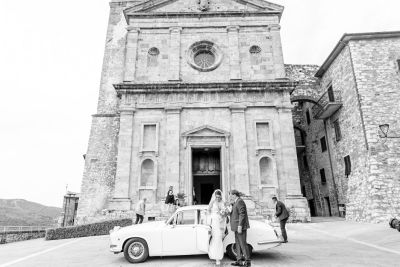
(331, 165)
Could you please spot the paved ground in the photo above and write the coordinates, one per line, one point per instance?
(324, 243)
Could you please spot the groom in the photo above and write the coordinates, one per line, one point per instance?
(240, 224)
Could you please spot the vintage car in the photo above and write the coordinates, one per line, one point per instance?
(186, 232)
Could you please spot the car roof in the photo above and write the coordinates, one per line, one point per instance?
(193, 207)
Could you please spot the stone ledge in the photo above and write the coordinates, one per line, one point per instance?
(231, 86)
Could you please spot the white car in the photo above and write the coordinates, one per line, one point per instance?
(186, 232)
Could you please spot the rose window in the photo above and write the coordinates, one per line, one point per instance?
(204, 56)
(204, 59)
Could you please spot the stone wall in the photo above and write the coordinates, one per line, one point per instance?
(100, 163)
(308, 88)
(100, 167)
(378, 82)
(9, 237)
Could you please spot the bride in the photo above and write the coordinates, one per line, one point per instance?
(218, 212)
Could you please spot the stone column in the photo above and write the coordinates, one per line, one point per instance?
(288, 151)
(290, 173)
(121, 200)
(233, 47)
(131, 53)
(172, 147)
(277, 51)
(239, 142)
(174, 54)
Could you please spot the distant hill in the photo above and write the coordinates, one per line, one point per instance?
(22, 212)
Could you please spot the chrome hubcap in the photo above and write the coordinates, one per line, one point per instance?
(136, 250)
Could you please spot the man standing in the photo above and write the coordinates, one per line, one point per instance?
(140, 210)
(283, 215)
(240, 224)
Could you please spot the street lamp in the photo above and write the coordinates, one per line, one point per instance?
(384, 130)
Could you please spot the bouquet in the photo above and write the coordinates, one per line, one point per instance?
(223, 211)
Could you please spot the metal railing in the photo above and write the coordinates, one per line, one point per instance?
(14, 228)
(330, 96)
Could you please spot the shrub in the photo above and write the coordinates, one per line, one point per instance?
(92, 229)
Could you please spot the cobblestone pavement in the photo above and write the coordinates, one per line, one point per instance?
(326, 243)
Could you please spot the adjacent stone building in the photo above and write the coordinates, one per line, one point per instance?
(345, 166)
(193, 95)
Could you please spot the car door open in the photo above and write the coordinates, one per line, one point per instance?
(203, 234)
(203, 231)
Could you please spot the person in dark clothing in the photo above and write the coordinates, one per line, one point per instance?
(170, 198)
(239, 224)
(283, 215)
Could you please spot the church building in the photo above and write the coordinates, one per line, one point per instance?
(193, 95)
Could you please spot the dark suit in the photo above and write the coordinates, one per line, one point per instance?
(283, 215)
(239, 218)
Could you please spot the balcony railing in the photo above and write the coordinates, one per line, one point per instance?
(327, 104)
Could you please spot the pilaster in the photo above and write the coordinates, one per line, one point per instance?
(277, 51)
(121, 200)
(239, 140)
(234, 59)
(172, 147)
(288, 152)
(131, 53)
(174, 53)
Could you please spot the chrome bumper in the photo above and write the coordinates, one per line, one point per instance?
(270, 242)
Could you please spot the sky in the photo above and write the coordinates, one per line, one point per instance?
(51, 55)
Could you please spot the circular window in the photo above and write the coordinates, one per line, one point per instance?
(154, 51)
(255, 49)
(204, 59)
(204, 56)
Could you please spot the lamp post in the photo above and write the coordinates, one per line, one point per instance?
(384, 130)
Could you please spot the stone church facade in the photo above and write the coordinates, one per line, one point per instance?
(193, 95)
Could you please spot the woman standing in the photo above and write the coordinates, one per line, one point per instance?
(218, 212)
(170, 200)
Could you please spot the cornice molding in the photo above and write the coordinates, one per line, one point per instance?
(223, 87)
(200, 15)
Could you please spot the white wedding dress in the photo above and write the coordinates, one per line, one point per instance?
(216, 248)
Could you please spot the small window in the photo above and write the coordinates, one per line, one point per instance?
(152, 57)
(255, 55)
(323, 177)
(323, 144)
(149, 137)
(331, 96)
(338, 134)
(185, 217)
(263, 134)
(347, 166)
(305, 163)
(308, 117)
(255, 49)
(203, 217)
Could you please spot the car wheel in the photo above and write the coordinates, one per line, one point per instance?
(136, 250)
(231, 251)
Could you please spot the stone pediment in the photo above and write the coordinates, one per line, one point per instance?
(202, 6)
(206, 131)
